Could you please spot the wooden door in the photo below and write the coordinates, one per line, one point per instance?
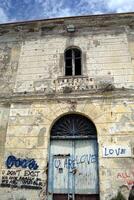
(73, 170)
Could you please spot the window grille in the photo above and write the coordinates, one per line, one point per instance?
(74, 126)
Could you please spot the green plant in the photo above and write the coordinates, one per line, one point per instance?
(119, 197)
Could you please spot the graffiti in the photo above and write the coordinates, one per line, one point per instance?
(127, 177)
(18, 162)
(23, 179)
(72, 162)
(26, 176)
(116, 151)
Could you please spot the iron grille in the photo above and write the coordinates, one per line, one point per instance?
(73, 125)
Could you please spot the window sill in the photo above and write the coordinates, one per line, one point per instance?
(75, 83)
(71, 77)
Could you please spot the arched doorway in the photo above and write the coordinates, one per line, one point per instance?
(73, 160)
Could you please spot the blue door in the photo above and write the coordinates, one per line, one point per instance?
(73, 159)
(73, 169)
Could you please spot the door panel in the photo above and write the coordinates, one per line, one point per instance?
(73, 173)
(86, 177)
(60, 180)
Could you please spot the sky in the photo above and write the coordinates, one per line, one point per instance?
(24, 10)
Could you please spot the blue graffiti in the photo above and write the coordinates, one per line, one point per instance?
(19, 162)
(114, 151)
(73, 162)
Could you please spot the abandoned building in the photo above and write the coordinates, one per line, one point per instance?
(67, 108)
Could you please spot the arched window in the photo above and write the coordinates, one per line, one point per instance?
(73, 62)
(73, 126)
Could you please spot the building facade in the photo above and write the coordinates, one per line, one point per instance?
(67, 108)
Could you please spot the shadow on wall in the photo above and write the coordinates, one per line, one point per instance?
(131, 194)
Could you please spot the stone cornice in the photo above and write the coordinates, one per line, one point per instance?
(32, 97)
(49, 25)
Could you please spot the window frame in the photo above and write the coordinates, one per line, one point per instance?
(73, 67)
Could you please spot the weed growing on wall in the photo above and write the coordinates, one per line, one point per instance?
(119, 197)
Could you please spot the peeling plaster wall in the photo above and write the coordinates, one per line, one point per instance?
(105, 57)
(28, 137)
(9, 58)
(4, 114)
(32, 56)
(32, 59)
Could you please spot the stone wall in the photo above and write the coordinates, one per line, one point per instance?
(4, 114)
(28, 136)
(106, 59)
(33, 96)
(32, 55)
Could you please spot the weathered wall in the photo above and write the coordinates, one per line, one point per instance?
(4, 114)
(106, 58)
(32, 55)
(9, 58)
(28, 137)
(32, 66)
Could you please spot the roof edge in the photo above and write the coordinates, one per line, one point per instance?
(128, 14)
